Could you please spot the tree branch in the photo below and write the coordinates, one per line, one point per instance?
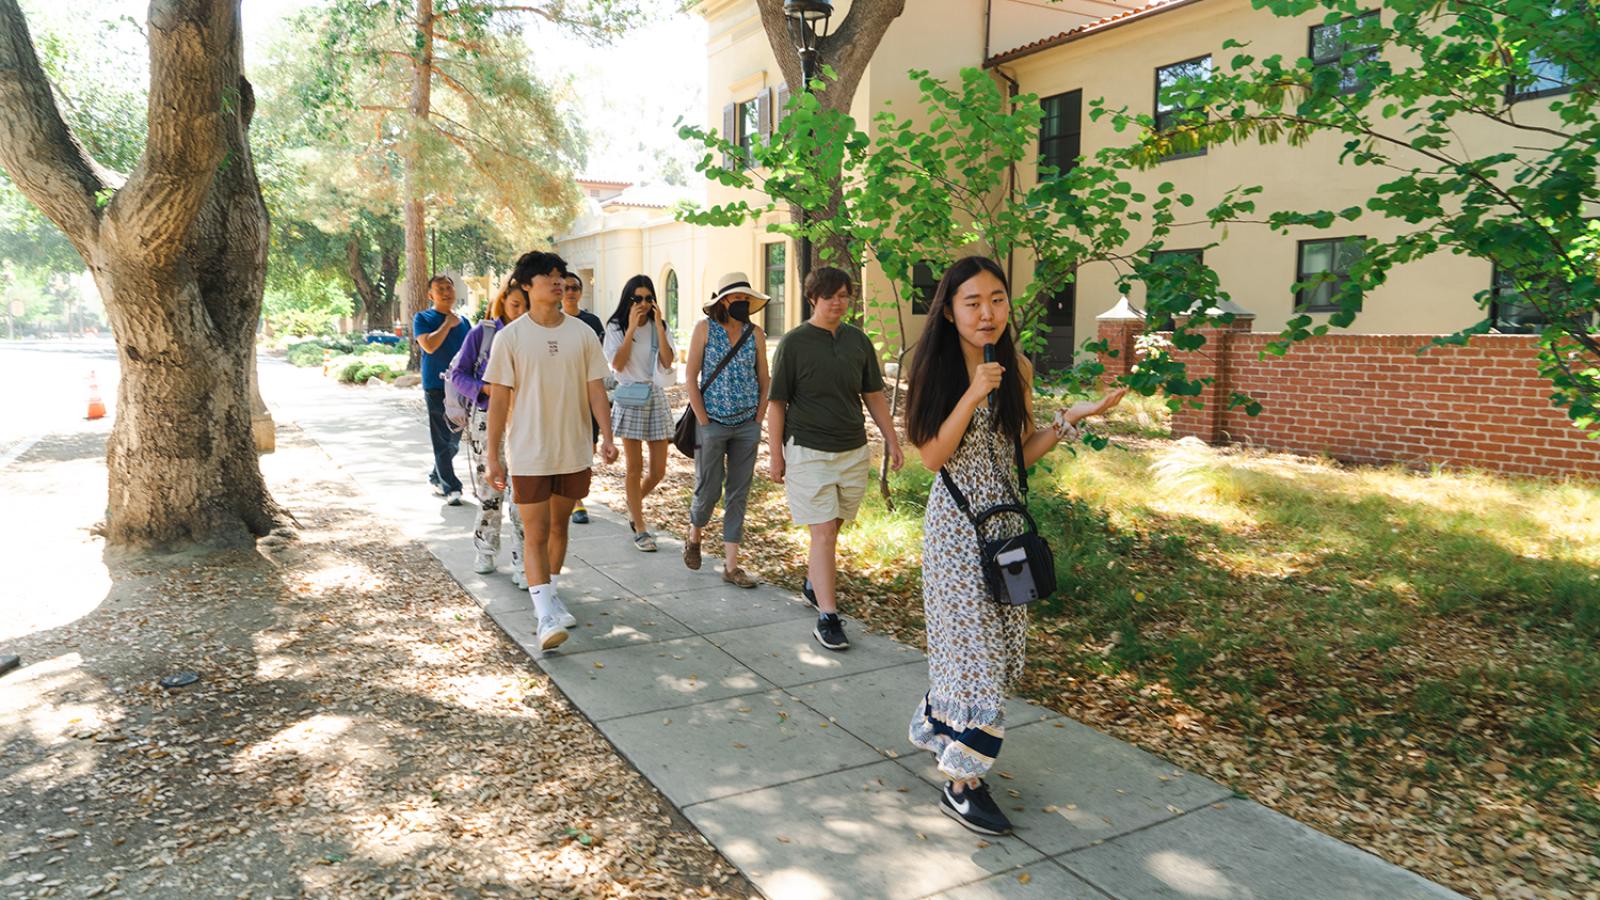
(37, 149)
(190, 100)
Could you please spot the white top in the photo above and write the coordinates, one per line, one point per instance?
(642, 367)
(549, 369)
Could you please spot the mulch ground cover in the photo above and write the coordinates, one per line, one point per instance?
(359, 729)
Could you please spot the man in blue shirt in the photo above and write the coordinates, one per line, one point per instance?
(439, 333)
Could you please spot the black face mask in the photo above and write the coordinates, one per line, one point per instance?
(740, 309)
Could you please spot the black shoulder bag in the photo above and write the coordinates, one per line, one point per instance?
(685, 435)
(1020, 569)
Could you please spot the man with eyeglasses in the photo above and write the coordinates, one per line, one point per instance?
(571, 297)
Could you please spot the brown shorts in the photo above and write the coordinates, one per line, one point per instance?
(538, 488)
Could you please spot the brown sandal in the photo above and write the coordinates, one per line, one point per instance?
(739, 578)
(691, 556)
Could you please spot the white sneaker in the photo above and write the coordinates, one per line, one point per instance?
(551, 633)
(561, 614)
(519, 578)
(484, 564)
(453, 498)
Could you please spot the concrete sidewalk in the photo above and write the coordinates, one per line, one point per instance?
(794, 761)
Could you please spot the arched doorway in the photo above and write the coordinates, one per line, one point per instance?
(669, 295)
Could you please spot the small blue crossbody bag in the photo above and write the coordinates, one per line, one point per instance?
(636, 395)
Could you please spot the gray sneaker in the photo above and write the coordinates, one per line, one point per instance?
(563, 615)
(484, 564)
(551, 634)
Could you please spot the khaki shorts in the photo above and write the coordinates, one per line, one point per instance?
(538, 488)
(824, 486)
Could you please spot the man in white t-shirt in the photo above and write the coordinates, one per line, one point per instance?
(546, 378)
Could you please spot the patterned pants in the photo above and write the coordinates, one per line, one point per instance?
(492, 501)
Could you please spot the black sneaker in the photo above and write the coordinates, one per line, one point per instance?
(809, 594)
(830, 632)
(975, 809)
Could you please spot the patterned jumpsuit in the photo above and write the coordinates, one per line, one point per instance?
(975, 644)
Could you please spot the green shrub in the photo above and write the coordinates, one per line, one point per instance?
(309, 352)
(352, 373)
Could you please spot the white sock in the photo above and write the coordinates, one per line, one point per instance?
(552, 584)
(542, 595)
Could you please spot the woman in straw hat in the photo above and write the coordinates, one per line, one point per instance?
(729, 410)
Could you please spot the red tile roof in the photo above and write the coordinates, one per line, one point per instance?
(1086, 29)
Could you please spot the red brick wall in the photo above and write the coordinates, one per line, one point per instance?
(1373, 399)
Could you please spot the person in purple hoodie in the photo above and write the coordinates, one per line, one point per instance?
(467, 376)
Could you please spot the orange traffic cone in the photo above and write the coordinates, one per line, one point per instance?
(97, 407)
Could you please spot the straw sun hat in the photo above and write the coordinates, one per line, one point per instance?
(737, 283)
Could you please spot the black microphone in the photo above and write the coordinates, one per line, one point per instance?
(988, 357)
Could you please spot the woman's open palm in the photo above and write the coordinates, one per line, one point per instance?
(1086, 408)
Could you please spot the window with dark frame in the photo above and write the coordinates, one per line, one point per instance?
(1163, 321)
(1330, 256)
(1060, 133)
(1545, 79)
(774, 268)
(1510, 313)
(1332, 43)
(924, 281)
(749, 130)
(1171, 109)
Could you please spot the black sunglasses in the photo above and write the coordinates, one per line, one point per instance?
(644, 298)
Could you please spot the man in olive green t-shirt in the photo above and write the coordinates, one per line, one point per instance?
(821, 374)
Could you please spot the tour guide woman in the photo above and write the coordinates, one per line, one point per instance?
(975, 643)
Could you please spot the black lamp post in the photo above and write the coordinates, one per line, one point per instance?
(808, 23)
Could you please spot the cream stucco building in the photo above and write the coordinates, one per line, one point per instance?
(1067, 53)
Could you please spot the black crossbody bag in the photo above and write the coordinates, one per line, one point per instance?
(1018, 570)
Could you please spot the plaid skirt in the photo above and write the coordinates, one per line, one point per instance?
(652, 422)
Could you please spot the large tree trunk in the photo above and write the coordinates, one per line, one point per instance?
(416, 224)
(355, 267)
(179, 254)
(848, 50)
(377, 297)
(182, 455)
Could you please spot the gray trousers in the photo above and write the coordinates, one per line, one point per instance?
(725, 453)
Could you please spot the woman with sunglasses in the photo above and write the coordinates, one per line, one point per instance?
(641, 352)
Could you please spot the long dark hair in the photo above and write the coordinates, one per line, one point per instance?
(625, 305)
(939, 370)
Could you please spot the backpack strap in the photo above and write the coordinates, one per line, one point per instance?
(483, 348)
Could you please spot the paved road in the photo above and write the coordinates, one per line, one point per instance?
(48, 389)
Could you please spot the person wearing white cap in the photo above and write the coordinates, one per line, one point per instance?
(727, 398)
